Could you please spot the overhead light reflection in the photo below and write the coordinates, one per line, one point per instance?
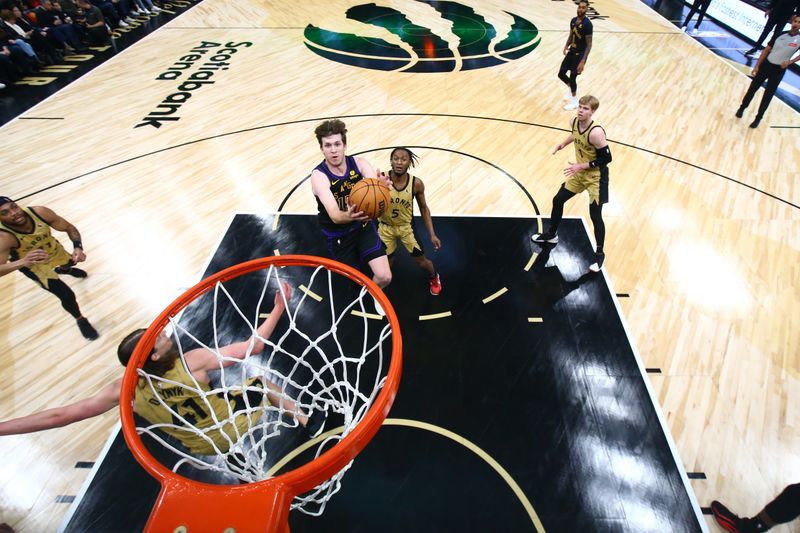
(668, 218)
(709, 279)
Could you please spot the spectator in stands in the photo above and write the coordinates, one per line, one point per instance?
(110, 14)
(7, 72)
(15, 40)
(147, 7)
(35, 36)
(92, 19)
(69, 8)
(64, 32)
(20, 61)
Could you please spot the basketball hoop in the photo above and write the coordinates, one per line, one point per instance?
(358, 389)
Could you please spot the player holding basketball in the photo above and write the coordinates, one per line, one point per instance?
(351, 236)
(588, 173)
(576, 52)
(27, 245)
(396, 224)
(164, 362)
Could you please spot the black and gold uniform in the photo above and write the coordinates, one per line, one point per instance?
(356, 242)
(593, 180)
(396, 224)
(195, 407)
(39, 238)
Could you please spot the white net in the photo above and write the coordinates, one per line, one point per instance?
(326, 360)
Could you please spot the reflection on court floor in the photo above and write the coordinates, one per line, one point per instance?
(521, 408)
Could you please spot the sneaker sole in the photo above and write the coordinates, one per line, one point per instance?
(725, 522)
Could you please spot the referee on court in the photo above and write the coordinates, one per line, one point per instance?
(771, 66)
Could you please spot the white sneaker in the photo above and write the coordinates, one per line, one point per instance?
(694, 31)
(129, 19)
(571, 104)
(135, 12)
(2, 86)
(123, 24)
(144, 12)
(568, 95)
(155, 9)
(683, 29)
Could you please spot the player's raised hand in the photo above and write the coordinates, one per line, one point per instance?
(286, 289)
(383, 178)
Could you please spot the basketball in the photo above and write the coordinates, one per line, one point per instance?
(371, 197)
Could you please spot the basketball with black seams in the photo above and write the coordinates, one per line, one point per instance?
(371, 197)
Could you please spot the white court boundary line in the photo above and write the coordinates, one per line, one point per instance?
(653, 399)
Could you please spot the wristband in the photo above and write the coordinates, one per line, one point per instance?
(77, 244)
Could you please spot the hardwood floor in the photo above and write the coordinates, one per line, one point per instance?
(703, 229)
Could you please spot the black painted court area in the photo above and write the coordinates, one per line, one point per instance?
(559, 403)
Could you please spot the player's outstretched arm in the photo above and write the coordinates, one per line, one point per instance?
(106, 399)
(277, 397)
(200, 360)
(424, 210)
(322, 190)
(366, 170)
(563, 144)
(61, 224)
(282, 296)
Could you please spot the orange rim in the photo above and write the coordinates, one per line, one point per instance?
(262, 505)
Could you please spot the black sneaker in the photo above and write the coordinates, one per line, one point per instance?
(547, 237)
(599, 258)
(72, 271)
(739, 112)
(753, 51)
(729, 521)
(86, 329)
(755, 123)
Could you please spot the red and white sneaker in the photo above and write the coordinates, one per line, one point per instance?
(436, 285)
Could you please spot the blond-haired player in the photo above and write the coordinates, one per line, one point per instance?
(589, 173)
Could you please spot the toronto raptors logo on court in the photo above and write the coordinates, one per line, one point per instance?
(430, 36)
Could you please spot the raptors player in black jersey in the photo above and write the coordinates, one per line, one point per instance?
(351, 237)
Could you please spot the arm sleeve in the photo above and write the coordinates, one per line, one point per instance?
(603, 158)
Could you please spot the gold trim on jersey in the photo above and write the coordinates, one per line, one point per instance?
(193, 406)
(401, 207)
(40, 238)
(396, 221)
